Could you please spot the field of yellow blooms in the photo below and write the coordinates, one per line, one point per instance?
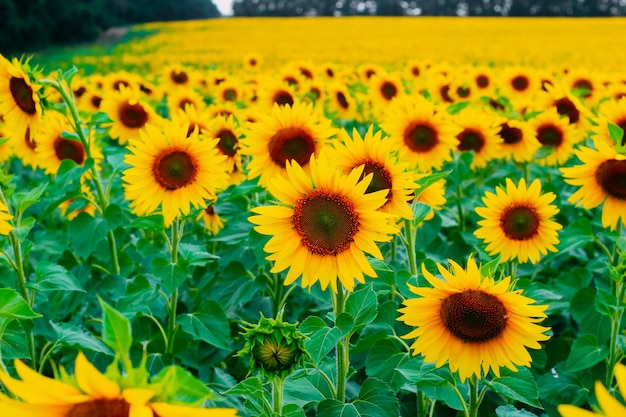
(368, 217)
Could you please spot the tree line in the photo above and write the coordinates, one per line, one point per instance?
(575, 8)
(34, 24)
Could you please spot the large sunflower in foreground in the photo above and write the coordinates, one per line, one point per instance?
(168, 168)
(287, 133)
(516, 222)
(5, 216)
(423, 135)
(609, 406)
(129, 113)
(90, 393)
(377, 155)
(602, 179)
(472, 321)
(19, 101)
(324, 226)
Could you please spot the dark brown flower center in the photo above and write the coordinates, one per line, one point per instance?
(229, 94)
(78, 93)
(470, 140)
(482, 81)
(23, 95)
(444, 92)
(179, 77)
(326, 223)
(463, 92)
(252, 62)
(100, 408)
(193, 126)
(415, 71)
(420, 137)
(291, 143)
(341, 99)
(381, 179)
(565, 107)
(69, 149)
(474, 316)
(282, 98)
(330, 72)
(510, 135)
(550, 135)
(611, 176)
(210, 210)
(519, 222)
(117, 85)
(585, 85)
(306, 73)
(30, 142)
(227, 142)
(388, 90)
(369, 73)
(496, 105)
(174, 168)
(133, 115)
(185, 102)
(520, 83)
(95, 101)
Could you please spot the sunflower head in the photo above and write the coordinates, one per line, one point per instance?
(275, 348)
(472, 321)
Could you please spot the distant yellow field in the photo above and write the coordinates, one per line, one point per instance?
(591, 43)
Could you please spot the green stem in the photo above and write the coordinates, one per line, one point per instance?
(171, 328)
(410, 246)
(459, 193)
(278, 384)
(462, 400)
(422, 404)
(473, 397)
(615, 354)
(342, 348)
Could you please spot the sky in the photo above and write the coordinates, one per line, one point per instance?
(224, 6)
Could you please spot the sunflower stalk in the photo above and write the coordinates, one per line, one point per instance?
(278, 384)
(176, 230)
(474, 399)
(342, 348)
(77, 125)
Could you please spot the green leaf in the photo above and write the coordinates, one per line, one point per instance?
(14, 307)
(375, 399)
(383, 359)
(322, 339)
(510, 411)
(307, 389)
(171, 275)
(490, 268)
(116, 330)
(606, 303)
(195, 255)
(561, 387)
(422, 374)
(543, 152)
(362, 306)
(345, 323)
(24, 200)
(585, 353)
(249, 387)
(583, 309)
(209, 325)
(616, 133)
(152, 223)
(292, 410)
(13, 340)
(86, 232)
(517, 386)
(53, 277)
(71, 336)
(457, 107)
(178, 384)
(576, 235)
(22, 231)
(428, 180)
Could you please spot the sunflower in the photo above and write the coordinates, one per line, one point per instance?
(516, 222)
(6, 150)
(566, 104)
(377, 155)
(556, 132)
(288, 132)
(271, 92)
(181, 98)
(479, 134)
(340, 102)
(609, 406)
(325, 224)
(128, 112)
(424, 136)
(382, 90)
(602, 179)
(518, 140)
(613, 111)
(168, 168)
(228, 134)
(433, 195)
(195, 118)
(5, 217)
(472, 321)
(518, 84)
(583, 83)
(24, 146)
(252, 62)
(229, 90)
(482, 79)
(440, 88)
(212, 221)
(19, 99)
(177, 75)
(52, 148)
(89, 393)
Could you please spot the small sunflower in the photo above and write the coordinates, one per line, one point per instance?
(128, 112)
(271, 92)
(168, 168)
(518, 140)
(382, 90)
(183, 97)
(613, 111)
(252, 62)
(516, 222)
(479, 134)
(609, 406)
(287, 133)
(89, 393)
(556, 132)
(228, 134)
(212, 221)
(424, 136)
(52, 148)
(340, 102)
(324, 225)
(472, 321)
(5, 217)
(177, 76)
(19, 98)
(602, 180)
(24, 146)
(377, 155)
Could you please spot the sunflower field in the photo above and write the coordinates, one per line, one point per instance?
(354, 217)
